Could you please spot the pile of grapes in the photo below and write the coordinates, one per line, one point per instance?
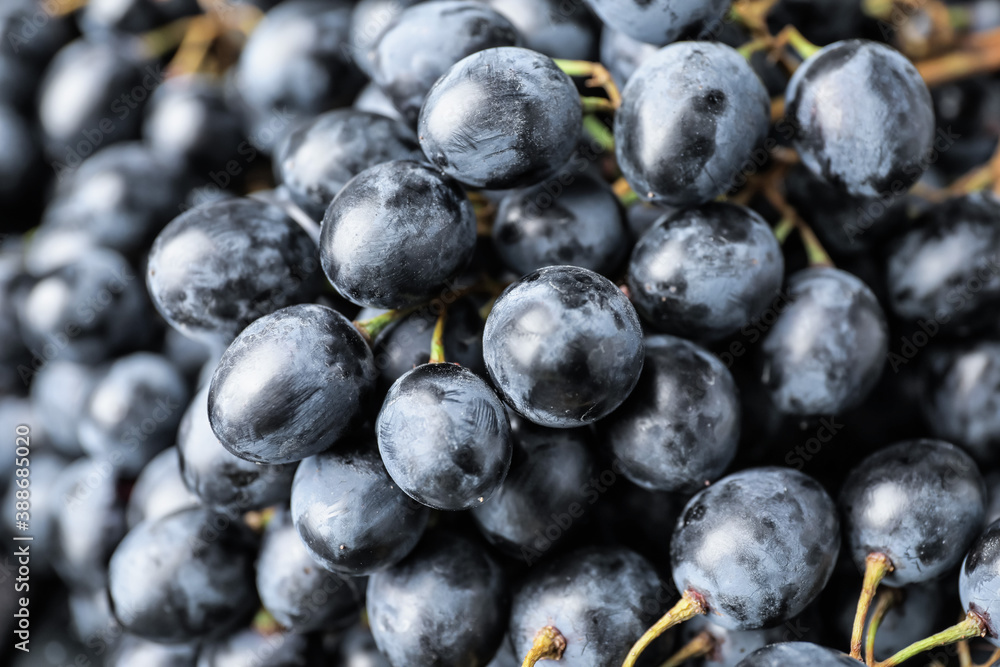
(486, 333)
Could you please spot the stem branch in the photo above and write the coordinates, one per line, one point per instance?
(690, 605)
(549, 644)
(877, 565)
(972, 626)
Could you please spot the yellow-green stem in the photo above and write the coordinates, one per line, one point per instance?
(437, 339)
(549, 644)
(887, 599)
(703, 643)
(371, 328)
(596, 128)
(877, 565)
(690, 605)
(972, 626)
(799, 43)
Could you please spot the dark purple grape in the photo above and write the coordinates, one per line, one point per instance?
(159, 490)
(300, 595)
(578, 224)
(218, 477)
(557, 29)
(291, 385)
(250, 648)
(350, 515)
(316, 159)
(425, 40)
(444, 604)
(757, 547)
(134, 411)
(798, 653)
(978, 579)
(658, 21)
(218, 267)
(183, 577)
(920, 503)
(563, 346)
(878, 142)
(826, 350)
(444, 437)
(501, 118)
(132, 650)
(60, 392)
(374, 251)
(691, 115)
(599, 599)
(546, 493)
(705, 272)
(679, 429)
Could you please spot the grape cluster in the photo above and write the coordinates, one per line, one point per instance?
(485, 333)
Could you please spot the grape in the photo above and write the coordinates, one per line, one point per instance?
(879, 141)
(316, 159)
(218, 477)
(85, 84)
(548, 485)
(961, 397)
(45, 506)
(798, 653)
(757, 546)
(501, 118)
(679, 429)
(699, 103)
(579, 224)
(104, 16)
(134, 650)
(977, 580)
(446, 603)
(59, 395)
(350, 515)
(658, 21)
(218, 267)
(159, 490)
(20, 159)
(919, 503)
(183, 577)
(86, 310)
(295, 65)
(88, 520)
(291, 385)
(944, 271)
(425, 40)
(729, 647)
(298, 593)
(188, 122)
(134, 411)
(827, 348)
(369, 20)
(444, 437)
(599, 599)
(622, 55)
(552, 27)
(251, 648)
(120, 198)
(705, 272)
(563, 346)
(373, 251)
(372, 100)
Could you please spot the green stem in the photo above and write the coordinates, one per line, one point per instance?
(437, 339)
(599, 131)
(783, 229)
(371, 328)
(972, 626)
(815, 251)
(802, 46)
(753, 46)
(887, 599)
(549, 644)
(596, 105)
(575, 67)
(877, 565)
(702, 644)
(690, 605)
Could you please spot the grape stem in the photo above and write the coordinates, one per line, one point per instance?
(972, 626)
(992, 659)
(626, 195)
(599, 131)
(486, 212)
(752, 14)
(690, 605)
(264, 623)
(701, 644)
(437, 339)
(887, 599)
(815, 251)
(371, 328)
(549, 644)
(877, 565)
(599, 77)
(978, 53)
(64, 8)
(964, 654)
